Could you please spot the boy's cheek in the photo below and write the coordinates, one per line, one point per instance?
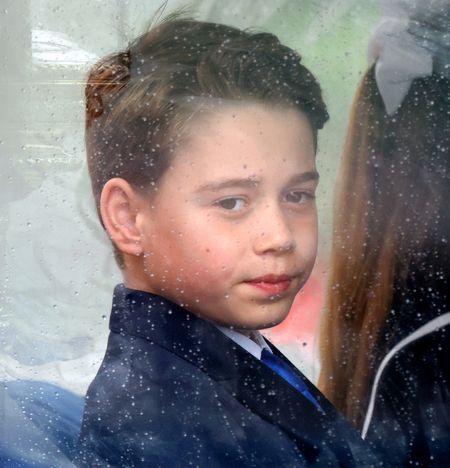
(208, 270)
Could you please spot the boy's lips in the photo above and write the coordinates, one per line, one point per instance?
(272, 284)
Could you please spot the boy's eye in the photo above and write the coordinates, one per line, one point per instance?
(232, 204)
(297, 196)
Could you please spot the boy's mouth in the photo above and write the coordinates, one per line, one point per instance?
(272, 284)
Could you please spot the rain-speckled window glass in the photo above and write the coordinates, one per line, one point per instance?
(58, 269)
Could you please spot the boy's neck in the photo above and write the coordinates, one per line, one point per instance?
(134, 277)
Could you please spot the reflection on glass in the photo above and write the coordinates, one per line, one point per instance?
(57, 268)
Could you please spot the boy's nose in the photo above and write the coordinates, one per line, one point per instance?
(274, 234)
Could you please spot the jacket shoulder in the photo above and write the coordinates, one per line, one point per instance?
(147, 403)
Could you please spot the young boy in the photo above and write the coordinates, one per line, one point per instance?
(201, 143)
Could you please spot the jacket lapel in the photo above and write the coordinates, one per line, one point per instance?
(258, 388)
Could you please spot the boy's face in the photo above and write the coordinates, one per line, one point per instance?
(231, 233)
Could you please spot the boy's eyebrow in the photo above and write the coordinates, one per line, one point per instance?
(252, 181)
(246, 182)
(304, 177)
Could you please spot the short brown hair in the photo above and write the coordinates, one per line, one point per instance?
(138, 100)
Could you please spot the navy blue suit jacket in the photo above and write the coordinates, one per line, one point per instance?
(173, 390)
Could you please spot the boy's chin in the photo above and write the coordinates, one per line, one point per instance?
(237, 312)
(257, 323)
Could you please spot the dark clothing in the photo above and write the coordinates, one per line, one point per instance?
(174, 391)
(411, 403)
(39, 424)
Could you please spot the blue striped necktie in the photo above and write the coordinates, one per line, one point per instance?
(283, 370)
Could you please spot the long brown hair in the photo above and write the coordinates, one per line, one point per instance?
(389, 226)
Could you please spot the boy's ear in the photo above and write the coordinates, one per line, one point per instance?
(119, 206)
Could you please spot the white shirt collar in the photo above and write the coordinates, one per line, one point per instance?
(254, 347)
